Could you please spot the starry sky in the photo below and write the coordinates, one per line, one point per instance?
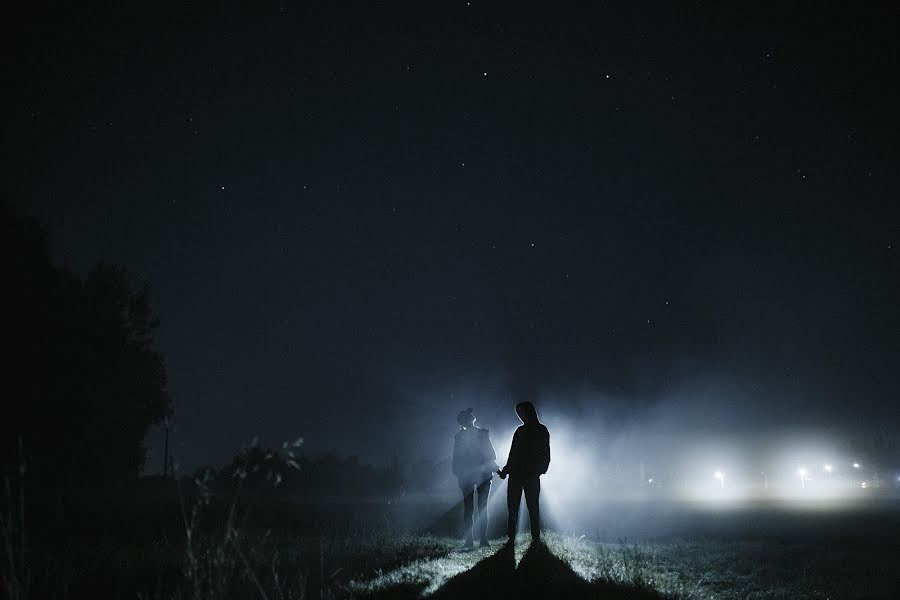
(356, 221)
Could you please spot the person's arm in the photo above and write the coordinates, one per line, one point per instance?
(545, 452)
(456, 457)
(514, 458)
(490, 457)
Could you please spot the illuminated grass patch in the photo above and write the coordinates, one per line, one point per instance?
(683, 569)
(430, 574)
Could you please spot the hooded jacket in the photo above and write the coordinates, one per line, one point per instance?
(529, 455)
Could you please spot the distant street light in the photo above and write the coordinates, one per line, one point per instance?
(721, 477)
(855, 465)
(828, 468)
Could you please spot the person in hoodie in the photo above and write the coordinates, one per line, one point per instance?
(474, 463)
(529, 458)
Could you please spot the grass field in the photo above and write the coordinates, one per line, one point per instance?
(679, 568)
(127, 546)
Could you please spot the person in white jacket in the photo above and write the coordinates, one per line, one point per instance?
(474, 464)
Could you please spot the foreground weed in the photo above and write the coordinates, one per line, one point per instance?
(15, 571)
(226, 563)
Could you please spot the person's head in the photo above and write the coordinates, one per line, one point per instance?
(466, 418)
(527, 413)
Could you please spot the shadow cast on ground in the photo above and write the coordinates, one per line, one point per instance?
(540, 574)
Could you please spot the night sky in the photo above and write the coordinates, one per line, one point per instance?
(356, 221)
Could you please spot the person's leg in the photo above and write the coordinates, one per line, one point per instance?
(513, 498)
(532, 501)
(468, 510)
(484, 491)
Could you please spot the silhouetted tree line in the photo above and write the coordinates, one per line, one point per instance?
(81, 379)
(276, 472)
(284, 472)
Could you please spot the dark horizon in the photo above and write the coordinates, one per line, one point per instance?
(355, 224)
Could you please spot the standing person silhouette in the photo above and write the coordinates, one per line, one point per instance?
(474, 463)
(529, 458)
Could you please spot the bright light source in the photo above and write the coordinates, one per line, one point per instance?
(864, 485)
(855, 465)
(803, 474)
(828, 468)
(721, 477)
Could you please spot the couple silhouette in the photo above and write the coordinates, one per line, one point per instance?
(475, 462)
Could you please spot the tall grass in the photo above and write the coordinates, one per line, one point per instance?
(15, 571)
(219, 556)
(225, 560)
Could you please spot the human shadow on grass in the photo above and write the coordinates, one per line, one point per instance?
(540, 574)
